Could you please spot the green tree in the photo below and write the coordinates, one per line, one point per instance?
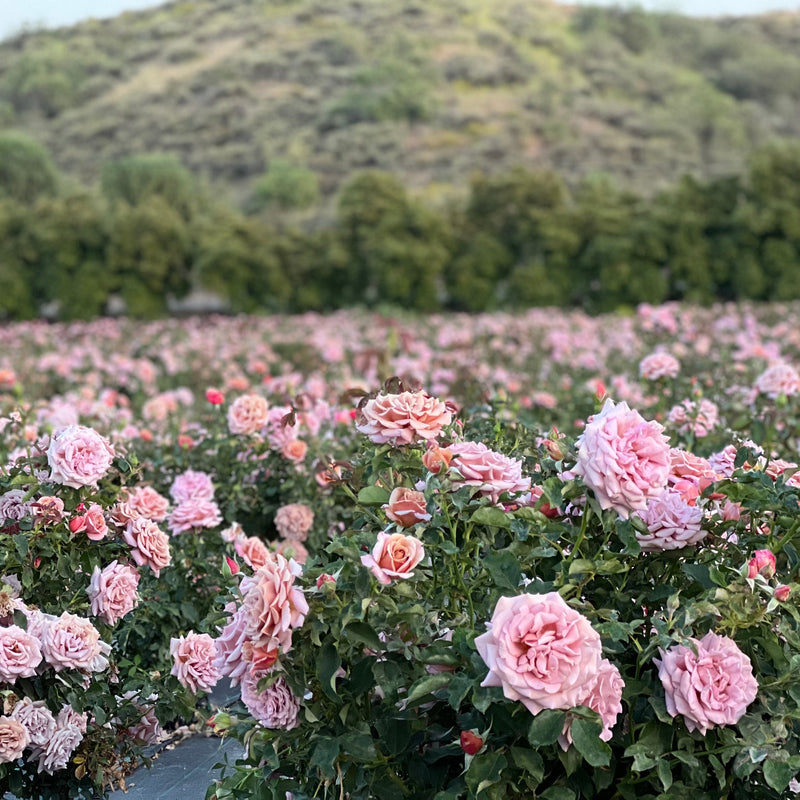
(18, 299)
(286, 186)
(26, 169)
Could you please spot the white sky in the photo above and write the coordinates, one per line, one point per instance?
(15, 14)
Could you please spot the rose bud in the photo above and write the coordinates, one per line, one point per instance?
(436, 458)
(232, 565)
(77, 524)
(782, 593)
(215, 397)
(762, 563)
(325, 578)
(470, 742)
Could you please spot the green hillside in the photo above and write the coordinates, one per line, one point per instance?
(308, 91)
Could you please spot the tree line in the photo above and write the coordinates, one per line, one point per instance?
(149, 234)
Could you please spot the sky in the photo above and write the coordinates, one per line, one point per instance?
(16, 14)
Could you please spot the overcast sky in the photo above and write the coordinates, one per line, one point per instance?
(14, 14)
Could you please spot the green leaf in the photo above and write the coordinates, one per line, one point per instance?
(586, 737)
(699, 573)
(530, 761)
(491, 515)
(328, 663)
(325, 753)
(425, 686)
(557, 793)
(778, 774)
(546, 727)
(627, 535)
(664, 773)
(363, 633)
(504, 569)
(457, 690)
(358, 745)
(21, 543)
(484, 771)
(373, 496)
(581, 566)
(395, 734)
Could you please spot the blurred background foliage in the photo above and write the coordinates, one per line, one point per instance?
(466, 154)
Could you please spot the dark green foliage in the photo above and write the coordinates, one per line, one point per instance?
(285, 186)
(26, 169)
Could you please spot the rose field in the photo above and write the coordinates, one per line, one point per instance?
(540, 555)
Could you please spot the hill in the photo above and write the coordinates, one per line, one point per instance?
(431, 90)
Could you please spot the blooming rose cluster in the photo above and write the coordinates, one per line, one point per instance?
(403, 418)
(52, 739)
(193, 661)
(394, 556)
(492, 473)
(194, 494)
(247, 414)
(79, 456)
(778, 380)
(659, 365)
(672, 523)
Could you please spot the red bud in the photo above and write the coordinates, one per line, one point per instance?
(470, 742)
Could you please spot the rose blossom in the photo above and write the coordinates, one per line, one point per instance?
(698, 418)
(540, 651)
(194, 514)
(762, 563)
(491, 472)
(121, 514)
(436, 458)
(79, 456)
(192, 485)
(275, 707)
(247, 414)
(48, 510)
(274, 605)
(229, 659)
(253, 551)
(294, 450)
(20, 654)
(294, 521)
(36, 718)
(13, 739)
(14, 506)
(71, 642)
(712, 687)
(671, 522)
(94, 523)
(147, 502)
(659, 365)
(406, 507)
(149, 544)
(55, 755)
(394, 556)
(193, 661)
(403, 418)
(292, 548)
(777, 380)
(112, 592)
(605, 697)
(69, 716)
(622, 458)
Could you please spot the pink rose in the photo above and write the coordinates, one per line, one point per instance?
(14, 506)
(273, 604)
(712, 687)
(13, 740)
(192, 485)
(275, 707)
(403, 418)
(294, 521)
(229, 659)
(147, 502)
(149, 544)
(491, 472)
(406, 507)
(762, 563)
(622, 458)
(247, 414)
(37, 719)
(71, 642)
(394, 556)
(20, 654)
(79, 456)
(294, 450)
(672, 523)
(55, 755)
(540, 651)
(94, 523)
(191, 515)
(696, 418)
(659, 365)
(253, 551)
(292, 548)
(112, 592)
(48, 510)
(193, 661)
(777, 380)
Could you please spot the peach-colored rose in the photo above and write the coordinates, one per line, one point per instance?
(149, 503)
(79, 456)
(403, 418)
(193, 661)
(121, 514)
(394, 556)
(48, 510)
(14, 739)
(292, 548)
(149, 544)
(294, 521)
(294, 450)
(253, 551)
(71, 642)
(540, 651)
(112, 591)
(406, 507)
(193, 515)
(435, 458)
(247, 414)
(20, 654)
(95, 523)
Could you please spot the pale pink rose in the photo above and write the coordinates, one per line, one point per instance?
(191, 515)
(622, 458)
(275, 707)
(48, 510)
(229, 659)
(274, 605)
(253, 551)
(698, 418)
(147, 502)
(193, 661)
(659, 365)
(406, 507)
(37, 719)
(14, 506)
(14, 739)
(69, 716)
(71, 642)
(687, 466)
(95, 523)
(776, 467)
(112, 591)
(121, 514)
(20, 654)
(192, 485)
(148, 729)
(294, 521)
(149, 544)
(604, 697)
(403, 418)
(672, 523)
(292, 548)
(294, 450)
(474, 464)
(540, 652)
(233, 533)
(282, 427)
(394, 556)
(247, 414)
(778, 380)
(55, 755)
(709, 688)
(79, 456)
